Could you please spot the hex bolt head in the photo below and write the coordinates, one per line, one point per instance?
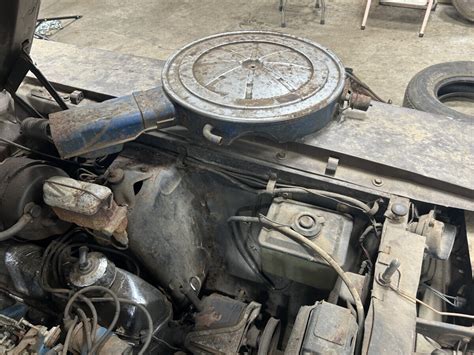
(399, 209)
(377, 181)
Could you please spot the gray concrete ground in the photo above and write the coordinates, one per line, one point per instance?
(386, 55)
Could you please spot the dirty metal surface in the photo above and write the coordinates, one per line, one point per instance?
(469, 218)
(92, 128)
(430, 145)
(94, 70)
(331, 330)
(391, 316)
(77, 196)
(87, 205)
(253, 83)
(227, 326)
(253, 76)
(415, 154)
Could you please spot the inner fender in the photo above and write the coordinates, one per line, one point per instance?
(167, 225)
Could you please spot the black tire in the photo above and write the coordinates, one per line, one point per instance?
(465, 8)
(427, 90)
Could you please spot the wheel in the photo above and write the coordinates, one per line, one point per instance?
(465, 8)
(433, 87)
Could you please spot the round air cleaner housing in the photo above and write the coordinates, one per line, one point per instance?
(252, 82)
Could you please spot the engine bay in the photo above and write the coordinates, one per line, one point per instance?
(201, 216)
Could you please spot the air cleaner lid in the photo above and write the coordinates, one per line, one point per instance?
(253, 76)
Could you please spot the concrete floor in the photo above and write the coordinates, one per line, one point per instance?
(386, 55)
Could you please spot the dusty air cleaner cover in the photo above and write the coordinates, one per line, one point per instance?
(253, 82)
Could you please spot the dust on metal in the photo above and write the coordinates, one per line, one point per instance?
(253, 76)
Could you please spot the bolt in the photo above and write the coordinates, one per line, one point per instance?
(144, 169)
(116, 176)
(389, 271)
(399, 210)
(281, 155)
(83, 260)
(33, 210)
(377, 181)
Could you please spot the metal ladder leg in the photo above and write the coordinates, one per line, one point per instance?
(425, 19)
(366, 14)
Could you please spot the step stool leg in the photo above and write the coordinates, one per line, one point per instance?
(323, 12)
(425, 19)
(366, 14)
(282, 12)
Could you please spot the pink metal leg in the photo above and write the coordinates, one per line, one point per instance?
(366, 14)
(425, 19)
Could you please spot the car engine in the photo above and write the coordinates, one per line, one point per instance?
(259, 200)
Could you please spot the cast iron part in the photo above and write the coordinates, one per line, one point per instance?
(253, 82)
(324, 328)
(225, 325)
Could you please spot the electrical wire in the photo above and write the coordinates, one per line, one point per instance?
(53, 257)
(34, 151)
(165, 343)
(250, 261)
(451, 300)
(86, 328)
(67, 341)
(149, 335)
(362, 238)
(416, 300)
(116, 315)
(287, 231)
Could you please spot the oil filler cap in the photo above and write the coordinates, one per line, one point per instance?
(254, 82)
